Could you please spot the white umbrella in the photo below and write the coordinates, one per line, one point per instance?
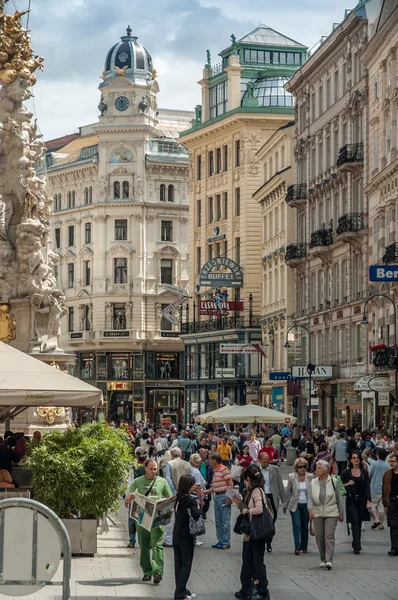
(247, 413)
(208, 417)
(26, 381)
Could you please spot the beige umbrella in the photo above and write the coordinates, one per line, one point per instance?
(26, 381)
(248, 413)
(208, 417)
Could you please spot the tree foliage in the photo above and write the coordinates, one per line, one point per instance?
(80, 471)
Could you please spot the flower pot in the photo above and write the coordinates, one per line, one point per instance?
(82, 535)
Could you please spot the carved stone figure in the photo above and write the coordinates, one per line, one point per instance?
(139, 192)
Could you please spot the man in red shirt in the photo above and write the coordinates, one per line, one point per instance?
(270, 450)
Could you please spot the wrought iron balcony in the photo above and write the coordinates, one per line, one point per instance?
(220, 324)
(295, 252)
(350, 153)
(321, 237)
(350, 222)
(296, 192)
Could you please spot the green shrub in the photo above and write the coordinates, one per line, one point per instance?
(80, 471)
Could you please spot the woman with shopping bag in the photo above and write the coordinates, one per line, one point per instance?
(255, 505)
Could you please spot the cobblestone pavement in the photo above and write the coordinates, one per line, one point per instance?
(115, 572)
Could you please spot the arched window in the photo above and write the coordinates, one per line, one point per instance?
(90, 195)
(170, 193)
(162, 192)
(85, 195)
(116, 190)
(126, 189)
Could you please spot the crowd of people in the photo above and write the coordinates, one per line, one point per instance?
(336, 475)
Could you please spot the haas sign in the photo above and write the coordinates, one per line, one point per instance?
(210, 274)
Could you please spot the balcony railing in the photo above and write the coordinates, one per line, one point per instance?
(391, 253)
(321, 237)
(350, 222)
(350, 153)
(219, 324)
(295, 251)
(296, 192)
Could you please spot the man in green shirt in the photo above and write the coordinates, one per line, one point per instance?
(150, 540)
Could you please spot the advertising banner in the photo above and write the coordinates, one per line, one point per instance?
(211, 307)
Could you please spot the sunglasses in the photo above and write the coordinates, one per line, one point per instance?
(302, 466)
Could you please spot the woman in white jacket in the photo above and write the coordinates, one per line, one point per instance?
(325, 506)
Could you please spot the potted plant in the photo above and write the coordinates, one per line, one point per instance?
(79, 474)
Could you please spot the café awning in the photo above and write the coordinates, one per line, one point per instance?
(246, 413)
(26, 381)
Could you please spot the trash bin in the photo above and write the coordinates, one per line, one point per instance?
(291, 455)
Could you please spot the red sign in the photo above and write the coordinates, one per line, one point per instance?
(209, 307)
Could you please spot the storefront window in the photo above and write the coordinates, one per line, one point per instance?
(102, 372)
(167, 365)
(121, 366)
(87, 366)
(138, 366)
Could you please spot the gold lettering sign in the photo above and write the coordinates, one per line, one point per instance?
(38, 398)
(7, 324)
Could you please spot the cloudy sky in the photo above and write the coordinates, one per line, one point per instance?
(75, 35)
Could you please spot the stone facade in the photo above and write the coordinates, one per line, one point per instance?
(278, 167)
(243, 104)
(330, 250)
(120, 229)
(380, 59)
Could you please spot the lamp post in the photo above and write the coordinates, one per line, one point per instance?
(365, 321)
(310, 367)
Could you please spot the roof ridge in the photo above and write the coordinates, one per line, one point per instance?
(264, 26)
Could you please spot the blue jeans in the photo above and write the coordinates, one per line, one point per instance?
(222, 517)
(132, 531)
(300, 520)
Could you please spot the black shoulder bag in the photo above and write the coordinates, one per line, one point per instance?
(262, 526)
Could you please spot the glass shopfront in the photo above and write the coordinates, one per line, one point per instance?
(167, 365)
(348, 406)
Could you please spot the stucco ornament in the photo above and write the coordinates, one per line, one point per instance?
(25, 206)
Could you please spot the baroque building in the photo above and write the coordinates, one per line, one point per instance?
(330, 252)
(243, 103)
(120, 230)
(380, 59)
(276, 157)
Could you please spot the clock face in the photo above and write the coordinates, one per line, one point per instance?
(122, 103)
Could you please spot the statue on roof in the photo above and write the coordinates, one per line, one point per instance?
(234, 44)
(208, 64)
(250, 87)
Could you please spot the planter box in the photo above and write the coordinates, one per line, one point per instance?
(82, 534)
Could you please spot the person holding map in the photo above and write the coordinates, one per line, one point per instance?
(155, 488)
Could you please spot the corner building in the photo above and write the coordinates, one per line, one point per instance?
(120, 230)
(243, 103)
(330, 253)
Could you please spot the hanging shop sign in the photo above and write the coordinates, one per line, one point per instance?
(166, 312)
(212, 307)
(381, 384)
(241, 349)
(210, 275)
(362, 384)
(384, 398)
(174, 289)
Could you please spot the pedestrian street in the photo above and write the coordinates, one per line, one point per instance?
(115, 571)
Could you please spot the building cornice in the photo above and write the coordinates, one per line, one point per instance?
(382, 177)
(271, 185)
(81, 165)
(371, 54)
(326, 52)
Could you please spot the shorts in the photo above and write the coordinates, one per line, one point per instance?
(377, 504)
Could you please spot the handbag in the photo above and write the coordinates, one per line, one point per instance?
(196, 526)
(236, 471)
(262, 526)
(312, 528)
(242, 525)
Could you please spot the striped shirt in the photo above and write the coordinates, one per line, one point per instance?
(221, 479)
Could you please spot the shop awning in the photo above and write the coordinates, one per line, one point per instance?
(26, 381)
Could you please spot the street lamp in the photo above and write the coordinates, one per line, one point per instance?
(365, 321)
(310, 366)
